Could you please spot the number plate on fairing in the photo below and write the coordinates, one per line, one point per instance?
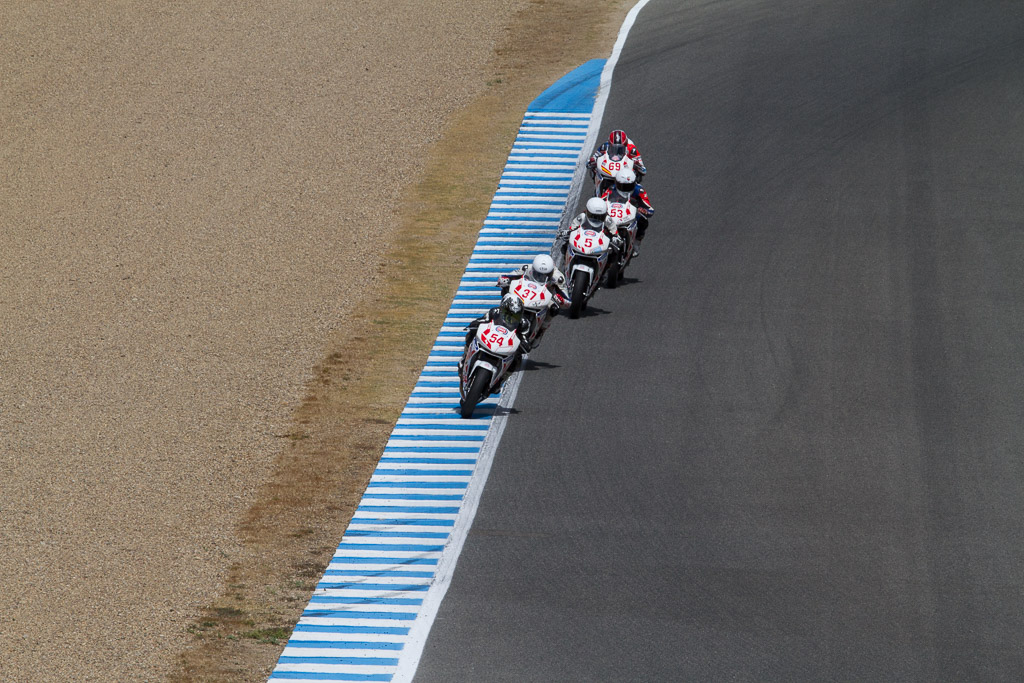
(534, 295)
(589, 242)
(610, 167)
(622, 214)
(497, 339)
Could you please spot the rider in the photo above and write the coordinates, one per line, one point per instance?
(595, 218)
(626, 189)
(508, 314)
(618, 137)
(542, 271)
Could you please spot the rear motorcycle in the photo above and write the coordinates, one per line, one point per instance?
(486, 363)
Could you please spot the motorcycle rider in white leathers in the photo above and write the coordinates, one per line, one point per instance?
(542, 271)
(627, 190)
(595, 218)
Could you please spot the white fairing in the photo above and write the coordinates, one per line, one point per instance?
(589, 242)
(497, 339)
(607, 168)
(622, 214)
(483, 364)
(585, 269)
(534, 295)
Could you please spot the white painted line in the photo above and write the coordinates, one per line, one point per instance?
(527, 204)
(547, 114)
(348, 621)
(316, 604)
(520, 181)
(551, 157)
(327, 636)
(339, 652)
(548, 136)
(512, 177)
(357, 525)
(543, 145)
(327, 669)
(521, 215)
(422, 479)
(356, 594)
(553, 167)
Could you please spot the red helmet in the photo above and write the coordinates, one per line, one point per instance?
(618, 137)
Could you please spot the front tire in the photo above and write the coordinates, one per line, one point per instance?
(478, 387)
(578, 291)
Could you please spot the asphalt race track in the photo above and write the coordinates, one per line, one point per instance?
(790, 448)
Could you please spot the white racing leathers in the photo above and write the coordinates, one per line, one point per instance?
(562, 238)
(554, 281)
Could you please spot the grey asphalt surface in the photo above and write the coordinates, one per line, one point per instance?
(791, 447)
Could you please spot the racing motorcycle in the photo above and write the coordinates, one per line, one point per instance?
(485, 364)
(537, 301)
(611, 162)
(625, 217)
(586, 257)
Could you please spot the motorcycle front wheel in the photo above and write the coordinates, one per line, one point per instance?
(478, 386)
(578, 292)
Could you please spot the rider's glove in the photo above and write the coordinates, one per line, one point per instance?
(560, 300)
(504, 280)
(617, 242)
(563, 233)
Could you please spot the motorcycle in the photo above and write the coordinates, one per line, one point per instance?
(486, 363)
(537, 301)
(587, 255)
(625, 217)
(611, 162)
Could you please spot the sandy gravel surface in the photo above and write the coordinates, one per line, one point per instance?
(191, 197)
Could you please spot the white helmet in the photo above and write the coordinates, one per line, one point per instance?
(625, 181)
(542, 267)
(597, 210)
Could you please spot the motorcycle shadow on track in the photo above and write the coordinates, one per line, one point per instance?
(626, 281)
(530, 365)
(592, 311)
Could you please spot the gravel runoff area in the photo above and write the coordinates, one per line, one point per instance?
(192, 195)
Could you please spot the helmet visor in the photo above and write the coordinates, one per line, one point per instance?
(617, 152)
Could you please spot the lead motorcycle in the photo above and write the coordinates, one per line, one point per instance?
(613, 160)
(586, 256)
(486, 363)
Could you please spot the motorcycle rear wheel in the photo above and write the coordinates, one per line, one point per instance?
(612, 275)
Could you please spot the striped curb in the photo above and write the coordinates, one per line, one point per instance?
(370, 614)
